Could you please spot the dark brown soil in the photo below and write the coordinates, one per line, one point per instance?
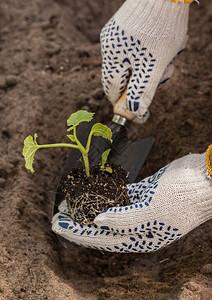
(49, 67)
(86, 197)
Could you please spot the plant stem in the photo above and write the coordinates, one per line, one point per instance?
(58, 145)
(86, 163)
(80, 146)
(84, 153)
(89, 141)
(82, 149)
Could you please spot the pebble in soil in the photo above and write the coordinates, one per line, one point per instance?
(86, 197)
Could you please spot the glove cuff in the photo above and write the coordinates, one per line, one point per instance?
(182, 1)
(208, 162)
(161, 19)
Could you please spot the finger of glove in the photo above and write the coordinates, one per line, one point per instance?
(87, 236)
(137, 190)
(102, 238)
(119, 219)
(63, 207)
(167, 74)
(151, 234)
(170, 68)
(141, 208)
(184, 43)
(141, 89)
(114, 80)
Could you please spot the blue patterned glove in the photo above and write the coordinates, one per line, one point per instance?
(163, 208)
(138, 45)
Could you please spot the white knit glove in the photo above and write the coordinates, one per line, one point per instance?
(163, 208)
(138, 45)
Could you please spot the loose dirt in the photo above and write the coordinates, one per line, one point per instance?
(50, 65)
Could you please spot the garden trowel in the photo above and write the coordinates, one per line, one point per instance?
(131, 155)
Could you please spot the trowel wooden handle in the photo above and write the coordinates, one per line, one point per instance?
(120, 108)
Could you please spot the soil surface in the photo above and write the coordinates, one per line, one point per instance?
(50, 65)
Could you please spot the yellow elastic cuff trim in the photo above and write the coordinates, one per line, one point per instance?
(208, 163)
(184, 1)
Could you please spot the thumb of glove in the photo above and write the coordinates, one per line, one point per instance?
(142, 86)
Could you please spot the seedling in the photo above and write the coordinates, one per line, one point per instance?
(98, 129)
(104, 160)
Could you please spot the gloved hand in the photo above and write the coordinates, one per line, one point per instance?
(138, 45)
(163, 208)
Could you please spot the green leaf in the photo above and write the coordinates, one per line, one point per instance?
(99, 129)
(70, 128)
(30, 147)
(104, 157)
(71, 137)
(78, 117)
(107, 169)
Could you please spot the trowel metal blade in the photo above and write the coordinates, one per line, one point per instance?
(133, 156)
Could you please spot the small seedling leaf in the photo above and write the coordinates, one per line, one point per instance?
(99, 129)
(71, 137)
(80, 116)
(107, 169)
(30, 147)
(104, 157)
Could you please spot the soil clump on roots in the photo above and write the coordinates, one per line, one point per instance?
(86, 197)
